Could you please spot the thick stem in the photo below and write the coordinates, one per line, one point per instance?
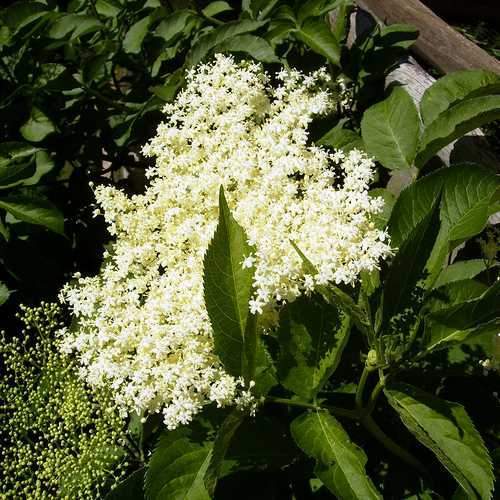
(372, 427)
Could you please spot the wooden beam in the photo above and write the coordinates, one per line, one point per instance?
(438, 43)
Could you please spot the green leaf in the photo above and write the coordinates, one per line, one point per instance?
(258, 9)
(228, 288)
(20, 14)
(217, 36)
(174, 25)
(38, 126)
(221, 445)
(131, 488)
(446, 429)
(214, 8)
(401, 36)
(312, 336)
(464, 320)
(172, 84)
(77, 24)
(255, 46)
(11, 152)
(454, 123)
(408, 266)
(27, 173)
(456, 87)
(462, 270)
(336, 296)
(316, 34)
(4, 293)
(85, 25)
(381, 220)
(265, 372)
(390, 130)
(468, 191)
(317, 8)
(14, 174)
(132, 42)
(341, 138)
(108, 8)
(34, 211)
(467, 200)
(339, 460)
(177, 467)
(279, 31)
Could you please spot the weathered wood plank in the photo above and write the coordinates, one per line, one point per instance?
(438, 44)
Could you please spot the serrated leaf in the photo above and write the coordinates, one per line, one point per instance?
(465, 320)
(462, 270)
(228, 288)
(467, 194)
(413, 205)
(467, 198)
(456, 87)
(408, 266)
(34, 211)
(255, 46)
(131, 488)
(446, 429)
(38, 126)
(455, 122)
(321, 437)
(134, 37)
(214, 8)
(221, 445)
(312, 336)
(390, 130)
(177, 467)
(206, 43)
(316, 34)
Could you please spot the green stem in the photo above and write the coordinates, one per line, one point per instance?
(361, 387)
(372, 427)
(372, 401)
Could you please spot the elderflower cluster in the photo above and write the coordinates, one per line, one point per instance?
(143, 328)
(57, 438)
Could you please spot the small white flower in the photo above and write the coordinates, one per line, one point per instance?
(143, 326)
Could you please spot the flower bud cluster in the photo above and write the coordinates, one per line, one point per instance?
(57, 438)
(143, 328)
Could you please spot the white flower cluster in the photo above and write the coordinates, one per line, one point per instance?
(143, 326)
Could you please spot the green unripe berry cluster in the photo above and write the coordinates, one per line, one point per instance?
(58, 438)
